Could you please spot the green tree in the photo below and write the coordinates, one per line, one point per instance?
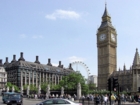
(16, 88)
(10, 85)
(72, 80)
(55, 87)
(25, 87)
(44, 86)
(33, 88)
(92, 86)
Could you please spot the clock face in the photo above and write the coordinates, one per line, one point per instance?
(102, 37)
(113, 37)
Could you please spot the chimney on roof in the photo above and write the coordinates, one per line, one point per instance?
(6, 62)
(70, 67)
(37, 61)
(1, 63)
(49, 62)
(14, 58)
(59, 64)
(21, 57)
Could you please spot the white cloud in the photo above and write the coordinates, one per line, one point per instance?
(23, 36)
(74, 58)
(55, 64)
(63, 14)
(37, 36)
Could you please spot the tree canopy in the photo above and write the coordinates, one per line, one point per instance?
(71, 81)
(10, 85)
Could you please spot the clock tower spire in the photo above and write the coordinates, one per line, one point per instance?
(106, 19)
(106, 45)
(106, 14)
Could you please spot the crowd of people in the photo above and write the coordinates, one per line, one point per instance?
(104, 99)
(44, 96)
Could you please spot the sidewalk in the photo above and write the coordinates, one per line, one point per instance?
(86, 102)
(93, 103)
(128, 103)
(34, 99)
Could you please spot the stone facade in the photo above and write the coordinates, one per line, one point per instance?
(107, 59)
(125, 78)
(21, 72)
(106, 44)
(3, 76)
(129, 79)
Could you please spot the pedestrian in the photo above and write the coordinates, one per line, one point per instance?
(35, 96)
(83, 99)
(97, 99)
(56, 95)
(75, 96)
(102, 99)
(105, 99)
(53, 96)
(132, 98)
(92, 98)
(113, 98)
(139, 99)
(122, 98)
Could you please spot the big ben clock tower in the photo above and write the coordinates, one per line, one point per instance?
(106, 44)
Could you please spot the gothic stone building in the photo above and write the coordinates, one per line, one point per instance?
(21, 72)
(129, 79)
(107, 59)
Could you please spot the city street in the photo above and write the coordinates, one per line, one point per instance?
(25, 101)
(34, 102)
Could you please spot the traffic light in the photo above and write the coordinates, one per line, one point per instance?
(115, 83)
(120, 89)
(138, 89)
(109, 84)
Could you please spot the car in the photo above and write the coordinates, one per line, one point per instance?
(12, 98)
(60, 101)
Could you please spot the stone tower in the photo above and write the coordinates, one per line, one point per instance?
(136, 72)
(106, 44)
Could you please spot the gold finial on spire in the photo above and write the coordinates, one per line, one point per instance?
(105, 3)
(136, 49)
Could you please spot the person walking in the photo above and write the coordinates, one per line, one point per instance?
(105, 99)
(113, 98)
(97, 99)
(122, 99)
(139, 99)
(35, 96)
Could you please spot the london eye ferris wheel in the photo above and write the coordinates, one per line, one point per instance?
(80, 66)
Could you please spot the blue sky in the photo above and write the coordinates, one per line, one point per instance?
(65, 30)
